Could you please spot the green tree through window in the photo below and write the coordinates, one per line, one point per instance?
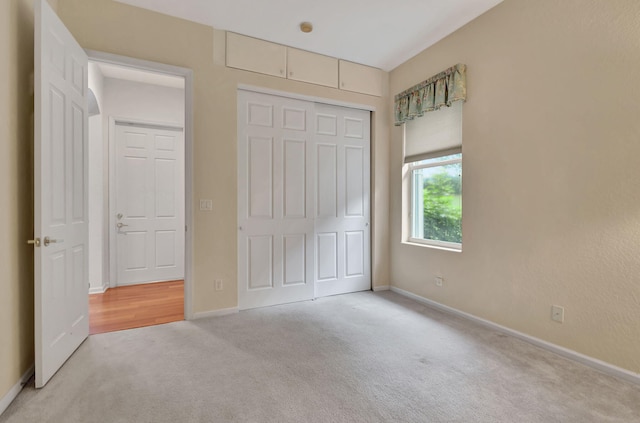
(443, 205)
(437, 199)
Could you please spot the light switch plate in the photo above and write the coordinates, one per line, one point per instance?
(206, 205)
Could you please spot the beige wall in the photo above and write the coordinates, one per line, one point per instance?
(112, 27)
(16, 177)
(551, 168)
(551, 175)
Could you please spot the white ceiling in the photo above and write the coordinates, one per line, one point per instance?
(379, 33)
(131, 74)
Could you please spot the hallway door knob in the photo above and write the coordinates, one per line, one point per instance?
(48, 241)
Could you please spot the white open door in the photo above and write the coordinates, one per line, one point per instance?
(60, 194)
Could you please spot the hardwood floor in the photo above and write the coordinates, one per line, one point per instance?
(127, 307)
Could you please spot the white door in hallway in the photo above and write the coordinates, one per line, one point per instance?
(303, 200)
(342, 185)
(275, 233)
(60, 194)
(149, 203)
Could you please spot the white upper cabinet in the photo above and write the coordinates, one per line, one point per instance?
(311, 67)
(256, 55)
(360, 78)
(261, 56)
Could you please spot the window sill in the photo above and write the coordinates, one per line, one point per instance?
(436, 247)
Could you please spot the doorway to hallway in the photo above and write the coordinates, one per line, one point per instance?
(137, 197)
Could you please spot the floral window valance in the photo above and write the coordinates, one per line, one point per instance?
(437, 91)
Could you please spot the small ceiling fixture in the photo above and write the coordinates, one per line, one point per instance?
(306, 27)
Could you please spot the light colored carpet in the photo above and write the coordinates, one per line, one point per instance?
(365, 357)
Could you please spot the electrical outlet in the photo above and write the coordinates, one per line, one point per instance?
(219, 286)
(206, 205)
(557, 313)
(439, 280)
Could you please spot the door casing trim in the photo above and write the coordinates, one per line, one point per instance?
(187, 74)
(311, 98)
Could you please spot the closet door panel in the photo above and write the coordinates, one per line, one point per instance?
(275, 228)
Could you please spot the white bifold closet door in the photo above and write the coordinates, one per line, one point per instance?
(303, 200)
(342, 184)
(275, 233)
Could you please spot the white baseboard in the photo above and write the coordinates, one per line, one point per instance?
(215, 313)
(15, 389)
(594, 363)
(98, 289)
(381, 288)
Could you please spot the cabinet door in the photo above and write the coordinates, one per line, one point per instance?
(313, 68)
(256, 55)
(360, 78)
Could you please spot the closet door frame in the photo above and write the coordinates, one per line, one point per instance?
(242, 244)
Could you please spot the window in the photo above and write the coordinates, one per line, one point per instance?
(436, 201)
(433, 155)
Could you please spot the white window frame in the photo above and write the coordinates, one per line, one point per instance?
(418, 218)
